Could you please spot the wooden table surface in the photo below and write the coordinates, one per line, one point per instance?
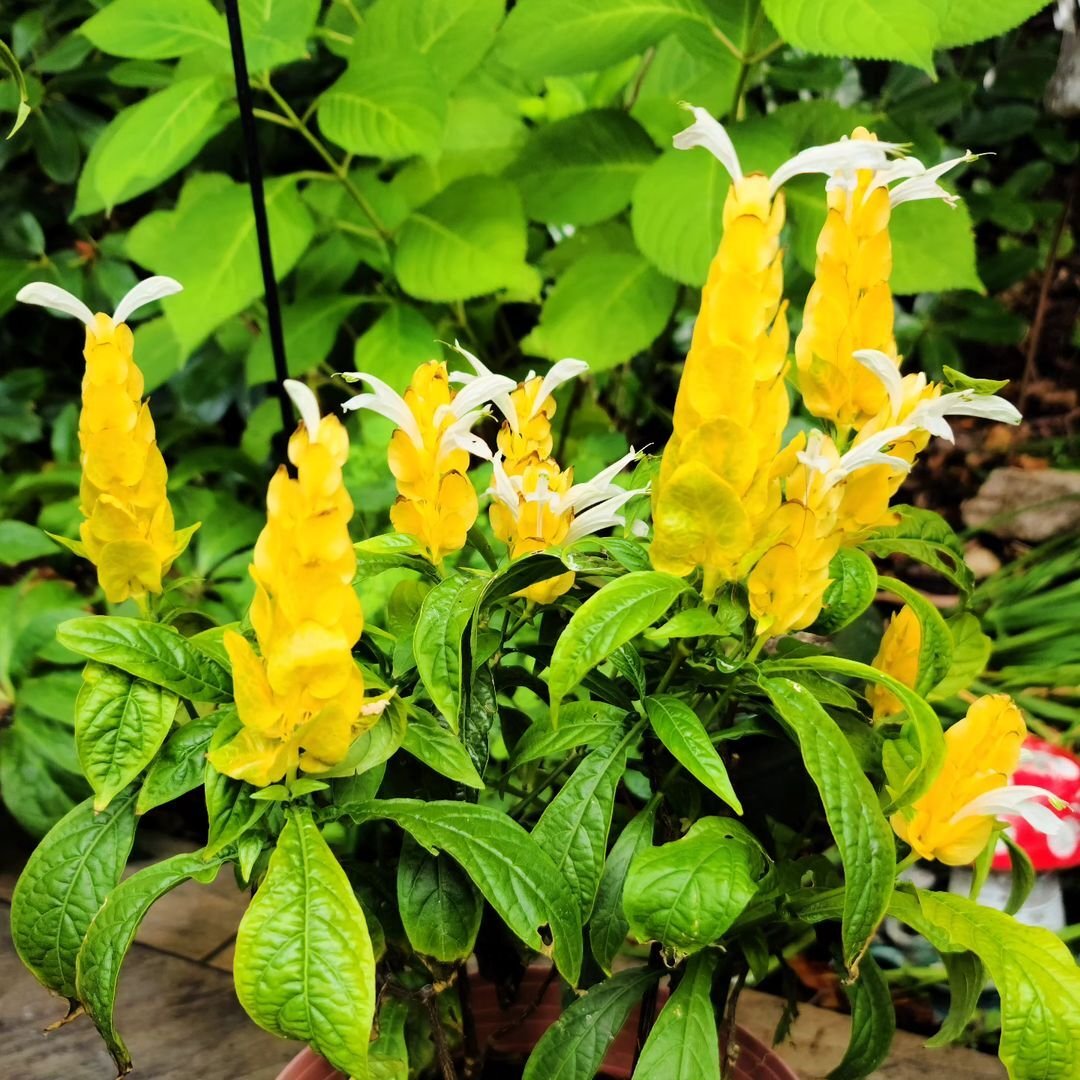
(180, 1018)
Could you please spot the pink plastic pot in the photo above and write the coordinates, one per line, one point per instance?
(756, 1061)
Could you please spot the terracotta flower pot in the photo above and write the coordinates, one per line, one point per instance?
(755, 1062)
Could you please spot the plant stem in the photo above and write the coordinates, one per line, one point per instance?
(680, 654)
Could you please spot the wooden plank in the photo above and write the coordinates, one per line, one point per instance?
(180, 1019)
(819, 1037)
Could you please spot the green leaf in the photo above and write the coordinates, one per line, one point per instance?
(680, 729)
(276, 31)
(64, 883)
(1033, 970)
(873, 1023)
(971, 650)
(219, 260)
(967, 980)
(395, 345)
(958, 380)
(467, 241)
(311, 327)
(670, 894)
(439, 639)
(582, 723)
(608, 926)
(683, 1044)
(573, 829)
(22, 111)
(36, 793)
(387, 106)
(581, 170)
(966, 21)
(429, 741)
(513, 872)
(605, 309)
(148, 651)
(181, 765)
(933, 248)
(120, 723)
(1023, 875)
(451, 35)
(20, 542)
(304, 967)
(230, 808)
(440, 907)
(147, 142)
(573, 1048)
(158, 31)
(853, 586)
(927, 537)
(936, 644)
(854, 28)
(376, 745)
(110, 935)
(564, 37)
(614, 615)
(699, 622)
(862, 834)
(390, 551)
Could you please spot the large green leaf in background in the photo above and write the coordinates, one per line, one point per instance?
(468, 241)
(158, 31)
(933, 248)
(276, 31)
(208, 244)
(304, 966)
(311, 326)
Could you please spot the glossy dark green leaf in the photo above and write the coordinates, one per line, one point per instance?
(925, 536)
(439, 906)
(64, 883)
(431, 742)
(148, 651)
(862, 834)
(873, 1023)
(230, 808)
(851, 591)
(304, 966)
(582, 723)
(967, 980)
(181, 765)
(936, 643)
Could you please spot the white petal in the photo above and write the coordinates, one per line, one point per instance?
(501, 486)
(385, 402)
(602, 516)
(146, 292)
(559, 372)
(924, 185)
(834, 157)
(709, 133)
(930, 415)
(600, 486)
(50, 296)
(869, 452)
(478, 365)
(884, 367)
(1017, 800)
(306, 404)
(480, 391)
(459, 436)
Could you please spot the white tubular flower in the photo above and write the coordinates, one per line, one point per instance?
(306, 404)
(603, 515)
(930, 415)
(600, 487)
(922, 183)
(1018, 800)
(844, 156)
(816, 456)
(886, 369)
(45, 294)
(560, 372)
(384, 401)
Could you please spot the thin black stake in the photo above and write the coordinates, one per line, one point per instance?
(258, 205)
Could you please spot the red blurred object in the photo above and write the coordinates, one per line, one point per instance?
(1057, 770)
(756, 1061)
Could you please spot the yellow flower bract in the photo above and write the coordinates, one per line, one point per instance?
(898, 656)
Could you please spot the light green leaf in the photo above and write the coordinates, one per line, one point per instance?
(437, 747)
(581, 170)
(438, 642)
(971, 650)
(927, 537)
(573, 828)
(160, 354)
(20, 542)
(606, 308)
(873, 1023)
(64, 883)
(856, 28)
(231, 809)
(1033, 970)
(451, 35)
(181, 765)
(573, 1048)
(513, 872)
(276, 31)
(683, 1044)
(614, 615)
(36, 793)
(699, 622)
(582, 723)
(311, 327)
(388, 551)
(964, 22)
(217, 259)
(11, 65)
(564, 37)
(467, 241)
(147, 142)
(862, 834)
(967, 980)
(120, 723)
(608, 926)
(936, 644)
(933, 248)
(386, 105)
(148, 651)
(158, 31)
(304, 967)
(851, 591)
(670, 893)
(110, 935)
(680, 729)
(395, 345)
(440, 907)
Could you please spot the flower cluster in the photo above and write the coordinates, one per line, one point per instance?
(128, 532)
(535, 503)
(730, 500)
(301, 698)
